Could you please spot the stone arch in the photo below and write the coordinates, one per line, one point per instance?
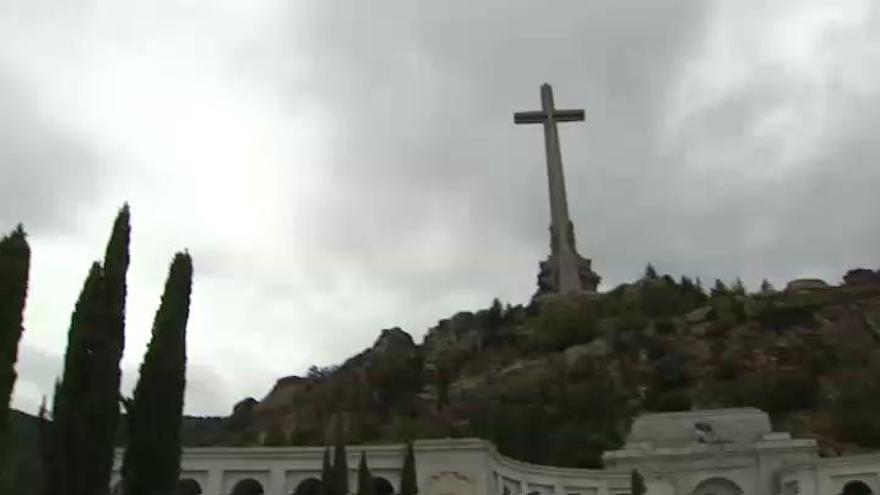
(308, 486)
(382, 486)
(187, 486)
(247, 486)
(856, 488)
(717, 486)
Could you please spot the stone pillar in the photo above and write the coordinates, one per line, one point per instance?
(215, 482)
(276, 481)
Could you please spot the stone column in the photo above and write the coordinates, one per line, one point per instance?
(276, 481)
(215, 482)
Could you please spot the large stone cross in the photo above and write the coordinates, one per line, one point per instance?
(567, 263)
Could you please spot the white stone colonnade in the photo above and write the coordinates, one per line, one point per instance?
(714, 452)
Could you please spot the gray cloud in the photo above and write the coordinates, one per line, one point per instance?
(47, 172)
(339, 168)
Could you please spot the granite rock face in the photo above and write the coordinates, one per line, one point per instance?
(862, 276)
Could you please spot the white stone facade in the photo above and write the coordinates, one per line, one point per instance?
(717, 452)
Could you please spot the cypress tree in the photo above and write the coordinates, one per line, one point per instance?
(151, 463)
(86, 404)
(637, 483)
(70, 427)
(408, 484)
(103, 401)
(365, 479)
(327, 475)
(15, 257)
(340, 465)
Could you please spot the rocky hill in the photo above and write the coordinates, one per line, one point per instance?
(558, 381)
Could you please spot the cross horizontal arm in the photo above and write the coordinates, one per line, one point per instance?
(539, 117)
(529, 117)
(568, 115)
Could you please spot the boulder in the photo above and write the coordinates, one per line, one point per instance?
(699, 315)
(861, 276)
(394, 341)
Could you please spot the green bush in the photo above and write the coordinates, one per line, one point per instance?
(791, 392)
(671, 401)
(558, 327)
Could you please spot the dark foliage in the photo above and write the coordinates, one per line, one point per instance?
(365, 479)
(326, 474)
(408, 485)
(86, 404)
(14, 267)
(340, 467)
(151, 463)
(637, 483)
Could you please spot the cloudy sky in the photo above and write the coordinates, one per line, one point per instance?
(340, 167)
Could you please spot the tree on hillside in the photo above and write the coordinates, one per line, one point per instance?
(365, 479)
(15, 257)
(408, 484)
(650, 272)
(151, 463)
(766, 286)
(739, 288)
(326, 474)
(719, 289)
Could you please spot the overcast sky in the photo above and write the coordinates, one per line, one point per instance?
(340, 167)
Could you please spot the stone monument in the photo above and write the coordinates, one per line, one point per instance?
(564, 271)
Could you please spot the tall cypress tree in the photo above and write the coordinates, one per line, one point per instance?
(86, 404)
(365, 479)
(408, 484)
(70, 435)
(107, 346)
(15, 255)
(340, 464)
(637, 483)
(327, 475)
(151, 463)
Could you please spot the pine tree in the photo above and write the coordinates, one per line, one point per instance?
(365, 479)
(719, 289)
(637, 483)
(14, 266)
(151, 463)
(327, 475)
(408, 484)
(739, 288)
(766, 286)
(340, 465)
(650, 272)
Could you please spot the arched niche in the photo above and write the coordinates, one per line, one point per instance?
(187, 486)
(856, 488)
(382, 486)
(717, 486)
(308, 486)
(247, 486)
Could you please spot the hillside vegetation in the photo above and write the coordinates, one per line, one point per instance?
(558, 382)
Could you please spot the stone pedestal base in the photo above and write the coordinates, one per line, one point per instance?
(549, 276)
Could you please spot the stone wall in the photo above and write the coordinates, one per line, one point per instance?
(743, 456)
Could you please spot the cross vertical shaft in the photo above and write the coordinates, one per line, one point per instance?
(555, 178)
(570, 272)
